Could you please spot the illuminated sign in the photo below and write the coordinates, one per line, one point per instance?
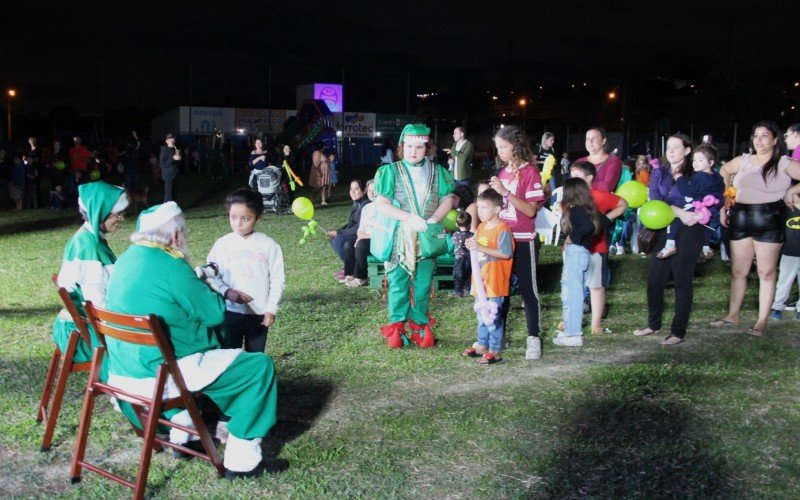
(332, 94)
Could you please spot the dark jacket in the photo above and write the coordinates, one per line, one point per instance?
(355, 217)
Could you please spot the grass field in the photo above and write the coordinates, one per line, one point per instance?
(620, 417)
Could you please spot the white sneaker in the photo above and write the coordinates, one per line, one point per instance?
(533, 348)
(620, 250)
(571, 341)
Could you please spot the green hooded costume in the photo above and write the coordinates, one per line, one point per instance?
(88, 262)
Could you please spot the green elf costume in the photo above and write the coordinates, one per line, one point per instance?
(88, 263)
(414, 194)
(151, 277)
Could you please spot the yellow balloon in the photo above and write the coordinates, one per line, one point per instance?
(303, 208)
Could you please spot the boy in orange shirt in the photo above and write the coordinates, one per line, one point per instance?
(494, 243)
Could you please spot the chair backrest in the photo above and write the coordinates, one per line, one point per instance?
(134, 329)
(558, 194)
(77, 318)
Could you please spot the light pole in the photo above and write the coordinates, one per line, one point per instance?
(11, 94)
(524, 103)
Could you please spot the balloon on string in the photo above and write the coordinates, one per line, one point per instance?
(633, 192)
(655, 215)
(450, 220)
(303, 208)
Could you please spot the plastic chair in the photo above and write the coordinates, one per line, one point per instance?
(548, 223)
(48, 410)
(140, 330)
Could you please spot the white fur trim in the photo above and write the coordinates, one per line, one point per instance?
(121, 204)
(157, 216)
(199, 370)
(178, 436)
(242, 455)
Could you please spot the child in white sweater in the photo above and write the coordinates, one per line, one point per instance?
(251, 275)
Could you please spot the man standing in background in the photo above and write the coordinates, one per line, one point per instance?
(460, 161)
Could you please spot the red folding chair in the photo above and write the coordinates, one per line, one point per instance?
(48, 410)
(140, 330)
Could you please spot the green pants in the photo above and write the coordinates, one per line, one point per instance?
(247, 392)
(400, 308)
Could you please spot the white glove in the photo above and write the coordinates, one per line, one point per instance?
(417, 223)
(210, 270)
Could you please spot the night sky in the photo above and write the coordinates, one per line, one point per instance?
(58, 55)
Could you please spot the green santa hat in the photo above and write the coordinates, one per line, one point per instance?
(99, 200)
(156, 216)
(415, 133)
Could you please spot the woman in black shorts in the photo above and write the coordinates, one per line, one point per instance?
(763, 190)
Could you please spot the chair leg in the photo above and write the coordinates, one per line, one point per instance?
(83, 434)
(86, 415)
(48, 386)
(61, 386)
(150, 428)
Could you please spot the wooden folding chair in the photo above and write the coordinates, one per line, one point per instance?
(68, 365)
(141, 330)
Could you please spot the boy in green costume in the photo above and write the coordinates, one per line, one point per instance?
(416, 193)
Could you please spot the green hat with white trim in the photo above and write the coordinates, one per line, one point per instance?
(157, 215)
(415, 133)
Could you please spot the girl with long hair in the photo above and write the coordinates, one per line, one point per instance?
(519, 183)
(580, 221)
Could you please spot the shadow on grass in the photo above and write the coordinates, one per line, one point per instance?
(69, 219)
(300, 403)
(634, 434)
(29, 311)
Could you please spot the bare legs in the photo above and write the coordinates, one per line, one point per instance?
(766, 255)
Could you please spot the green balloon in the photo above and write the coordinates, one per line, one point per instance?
(303, 208)
(655, 215)
(634, 193)
(450, 220)
(94, 175)
(60, 165)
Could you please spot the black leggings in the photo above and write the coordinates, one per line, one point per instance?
(355, 258)
(524, 268)
(689, 240)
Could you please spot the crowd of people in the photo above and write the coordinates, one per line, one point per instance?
(218, 316)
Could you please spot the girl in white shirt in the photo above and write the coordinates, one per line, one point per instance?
(251, 274)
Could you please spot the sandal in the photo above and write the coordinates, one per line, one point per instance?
(722, 322)
(667, 252)
(471, 352)
(756, 332)
(641, 332)
(672, 340)
(488, 359)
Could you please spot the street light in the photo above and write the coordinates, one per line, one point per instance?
(11, 94)
(612, 95)
(524, 103)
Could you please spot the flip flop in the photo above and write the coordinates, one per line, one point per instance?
(756, 332)
(470, 353)
(672, 340)
(488, 359)
(722, 322)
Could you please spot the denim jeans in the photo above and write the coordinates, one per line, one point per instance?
(573, 276)
(492, 336)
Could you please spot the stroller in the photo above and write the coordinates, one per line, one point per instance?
(273, 192)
